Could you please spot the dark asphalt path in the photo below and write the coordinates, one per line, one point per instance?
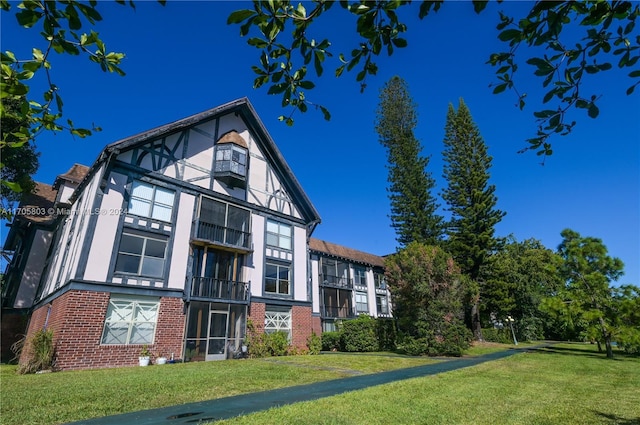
(228, 407)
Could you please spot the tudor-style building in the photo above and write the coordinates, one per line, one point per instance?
(176, 237)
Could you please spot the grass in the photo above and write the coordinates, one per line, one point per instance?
(566, 384)
(54, 398)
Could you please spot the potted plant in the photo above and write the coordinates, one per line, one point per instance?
(144, 357)
(161, 359)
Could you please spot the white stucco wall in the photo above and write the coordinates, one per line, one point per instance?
(102, 243)
(180, 248)
(300, 264)
(255, 268)
(315, 286)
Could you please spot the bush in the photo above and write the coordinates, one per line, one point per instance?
(331, 341)
(266, 345)
(277, 343)
(40, 352)
(386, 334)
(359, 335)
(530, 329)
(314, 343)
(412, 346)
(502, 336)
(456, 339)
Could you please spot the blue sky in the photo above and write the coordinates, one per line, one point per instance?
(183, 59)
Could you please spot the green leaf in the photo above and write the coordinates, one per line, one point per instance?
(500, 88)
(510, 34)
(399, 42)
(325, 113)
(479, 5)
(593, 110)
(307, 85)
(28, 18)
(239, 16)
(12, 185)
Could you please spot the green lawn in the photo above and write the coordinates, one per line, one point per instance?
(54, 398)
(568, 384)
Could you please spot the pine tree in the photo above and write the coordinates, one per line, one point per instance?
(470, 199)
(413, 208)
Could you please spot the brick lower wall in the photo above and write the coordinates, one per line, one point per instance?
(302, 325)
(77, 320)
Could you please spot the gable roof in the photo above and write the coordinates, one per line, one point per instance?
(243, 108)
(76, 173)
(343, 252)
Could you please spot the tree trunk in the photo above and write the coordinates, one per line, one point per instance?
(475, 320)
(599, 346)
(607, 338)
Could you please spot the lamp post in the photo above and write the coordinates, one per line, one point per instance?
(510, 320)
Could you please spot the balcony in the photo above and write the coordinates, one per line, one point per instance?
(208, 288)
(335, 281)
(223, 236)
(338, 312)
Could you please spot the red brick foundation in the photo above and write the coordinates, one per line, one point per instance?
(77, 320)
(302, 324)
(301, 321)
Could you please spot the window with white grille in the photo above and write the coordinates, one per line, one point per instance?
(151, 201)
(130, 320)
(277, 319)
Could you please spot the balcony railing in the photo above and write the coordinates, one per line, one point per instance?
(219, 289)
(338, 312)
(223, 235)
(336, 281)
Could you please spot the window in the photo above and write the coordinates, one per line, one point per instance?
(141, 255)
(151, 201)
(361, 302)
(230, 157)
(379, 281)
(360, 276)
(382, 304)
(223, 223)
(276, 280)
(278, 235)
(277, 319)
(130, 320)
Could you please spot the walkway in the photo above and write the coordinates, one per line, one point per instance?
(229, 407)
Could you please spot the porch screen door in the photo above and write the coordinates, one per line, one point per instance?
(217, 335)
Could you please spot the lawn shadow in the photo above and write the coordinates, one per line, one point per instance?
(579, 351)
(618, 420)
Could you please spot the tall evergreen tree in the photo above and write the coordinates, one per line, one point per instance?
(470, 199)
(413, 207)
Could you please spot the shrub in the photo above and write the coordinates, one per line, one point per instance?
(330, 341)
(359, 335)
(386, 334)
(455, 340)
(502, 336)
(277, 343)
(314, 343)
(265, 345)
(530, 329)
(412, 346)
(40, 352)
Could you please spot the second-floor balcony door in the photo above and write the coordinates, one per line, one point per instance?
(217, 274)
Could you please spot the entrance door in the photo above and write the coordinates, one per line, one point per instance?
(217, 340)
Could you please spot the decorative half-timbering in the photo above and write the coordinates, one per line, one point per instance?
(173, 239)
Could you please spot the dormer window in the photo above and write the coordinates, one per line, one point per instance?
(231, 160)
